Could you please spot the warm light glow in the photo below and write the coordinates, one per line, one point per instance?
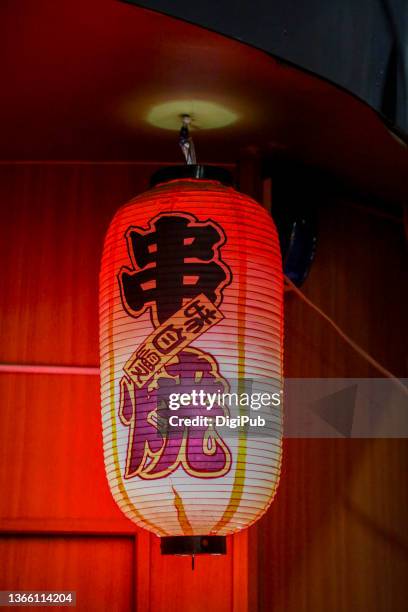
(204, 115)
(159, 329)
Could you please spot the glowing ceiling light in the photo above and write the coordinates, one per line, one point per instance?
(204, 115)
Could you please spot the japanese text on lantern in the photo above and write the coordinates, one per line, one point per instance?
(177, 274)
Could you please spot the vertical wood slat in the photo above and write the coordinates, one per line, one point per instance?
(143, 569)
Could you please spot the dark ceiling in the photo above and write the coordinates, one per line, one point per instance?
(80, 77)
(357, 44)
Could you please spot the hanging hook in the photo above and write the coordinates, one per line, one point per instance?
(186, 141)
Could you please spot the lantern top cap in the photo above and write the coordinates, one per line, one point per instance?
(195, 171)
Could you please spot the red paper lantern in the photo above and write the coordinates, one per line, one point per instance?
(190, 297)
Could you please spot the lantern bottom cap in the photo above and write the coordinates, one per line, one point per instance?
(193, 545)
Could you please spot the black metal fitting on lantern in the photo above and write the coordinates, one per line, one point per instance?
(193, 545)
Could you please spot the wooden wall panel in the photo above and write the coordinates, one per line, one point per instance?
(359, 278)
(53, 220)
(98, 569)
(51, 467)
(336, 536)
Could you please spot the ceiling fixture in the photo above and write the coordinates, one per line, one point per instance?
(204, 115)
